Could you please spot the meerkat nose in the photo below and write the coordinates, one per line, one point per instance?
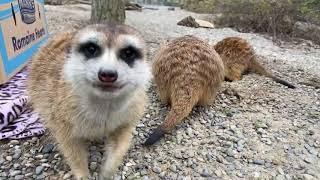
(107, 76)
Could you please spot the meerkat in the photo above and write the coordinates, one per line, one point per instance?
(90, 84)
(187, 72)
(240, 58)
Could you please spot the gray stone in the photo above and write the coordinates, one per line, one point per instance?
(14, 142)
(39, 156)
(178, 155)
(28, 174)
(173, 168)
(14, 173)
(93, 148)
(230, 152)
(16, 165)
(39, 169)
(67, 176)
(280, 177)
(258, 161)
(219, 172)
(144, 172)
(1, 160)
(308, 177)
(19, 177)
(46, 165)
(3, 174)
(205, 173)
(308, 159)
(56, 156)
(93, 166)
(17, 154)
(9, 158)
(156, 170)
(310, 149)
(41, 176)
(47, 148)
(191, 153)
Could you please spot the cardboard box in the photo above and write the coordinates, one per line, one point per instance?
(23, 29)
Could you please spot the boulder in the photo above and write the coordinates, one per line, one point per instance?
(196, 23)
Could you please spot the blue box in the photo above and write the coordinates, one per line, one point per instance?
(23, 28)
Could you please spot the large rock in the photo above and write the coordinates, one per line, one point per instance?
(307, 31)
(192, 22)
(189, 22)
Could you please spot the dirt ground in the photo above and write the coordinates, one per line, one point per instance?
(255, 129)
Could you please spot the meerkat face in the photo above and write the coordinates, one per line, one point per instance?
(107, 61)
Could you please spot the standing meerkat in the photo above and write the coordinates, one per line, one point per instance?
(239, 58)
(90, 84)
(187, 72)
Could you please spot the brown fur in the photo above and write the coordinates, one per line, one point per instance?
(239, 58)
(54, 99)
(187, 72)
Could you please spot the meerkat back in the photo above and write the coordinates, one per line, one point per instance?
(187, 72)
(240, 58)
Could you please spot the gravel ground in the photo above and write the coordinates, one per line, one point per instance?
(256, 128)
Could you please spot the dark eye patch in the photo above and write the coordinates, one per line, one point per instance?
(129, 54)
(90, 50)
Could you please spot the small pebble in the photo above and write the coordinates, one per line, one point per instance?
(47, 148)
(156, 170)
(1, 160)
(205, 173)
(173, 168)
(14, 142)
(67, 176)
(39, 169)
(19, 177)
(14, 173)
(17, 154)
(258, 161)
(93, 166)
(16, 165)
(9, 158)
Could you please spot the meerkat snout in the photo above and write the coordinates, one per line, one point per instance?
(107, 76)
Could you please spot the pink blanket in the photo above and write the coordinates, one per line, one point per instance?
(17, 120)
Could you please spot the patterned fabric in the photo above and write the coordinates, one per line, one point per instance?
(17, 120)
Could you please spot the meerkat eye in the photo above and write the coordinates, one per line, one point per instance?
(129, 54)
(90, 50)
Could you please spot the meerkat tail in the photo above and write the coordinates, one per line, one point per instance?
(283, 82)
(256, 67)
(180, 109)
